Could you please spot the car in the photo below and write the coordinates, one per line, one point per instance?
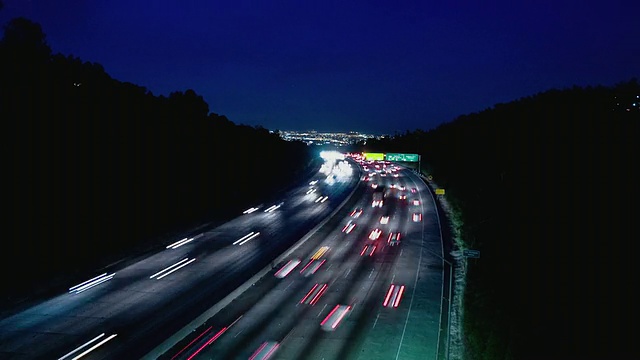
(402, 188)
(375, 234)
(414, 190)
(394, 294)
(331, 321)
(312, 267)
(393, 186)
(402, 197)
(416, 202)
(377, 198)
(374, 185)
(287, 268)
(384, 220)
(320, 252)
(417, 217)
(312, 297)
(368, 250)
(349, 227)
(356, 212)
(394, 239)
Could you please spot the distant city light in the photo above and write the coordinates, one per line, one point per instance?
(327, 138)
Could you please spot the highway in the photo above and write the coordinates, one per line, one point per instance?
(341, 294)
(124, 313)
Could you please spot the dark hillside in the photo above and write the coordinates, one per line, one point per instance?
(96, 167)
(547, 187)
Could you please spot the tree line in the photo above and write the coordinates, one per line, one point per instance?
(547, 190)
(96, 167)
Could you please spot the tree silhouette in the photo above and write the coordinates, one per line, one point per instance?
(24, 43)
(545, 187)
(102, 169)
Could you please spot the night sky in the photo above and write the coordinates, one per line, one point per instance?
(369, 66)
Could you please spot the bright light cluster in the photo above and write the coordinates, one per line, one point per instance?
(326, 168)
(343, 169)
(331, 155)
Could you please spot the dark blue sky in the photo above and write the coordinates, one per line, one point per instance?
(368, 66)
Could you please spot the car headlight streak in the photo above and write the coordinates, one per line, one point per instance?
(87, 344)
(177, 244)
(244, 239)
(91, 283)
(175, 267)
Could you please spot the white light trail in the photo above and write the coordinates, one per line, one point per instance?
(88, 281)
(177, 244)
(91, 348)
(243, 238)
(176, 269)
(82, 346)
(250, 210)
(249, 238)
(169, 268)
(91, 283)
(274, 207)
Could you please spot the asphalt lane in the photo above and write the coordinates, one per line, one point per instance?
(279, 311)
(135, 310)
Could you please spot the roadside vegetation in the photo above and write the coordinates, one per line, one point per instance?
(97, 169)
(546, 189)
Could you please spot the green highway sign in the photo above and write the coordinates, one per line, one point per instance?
(471, 253)
(402, 157)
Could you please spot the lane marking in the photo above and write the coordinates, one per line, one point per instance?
(320, 313)
(375, 322)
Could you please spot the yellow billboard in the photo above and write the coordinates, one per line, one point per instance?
(373, 156)
(439, 191)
